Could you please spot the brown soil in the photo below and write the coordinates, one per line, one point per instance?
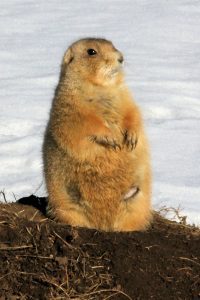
(41, 259)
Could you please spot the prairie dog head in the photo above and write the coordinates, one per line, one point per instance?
(94, 60)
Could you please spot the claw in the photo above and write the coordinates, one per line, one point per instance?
(106, 142)
(118, 146)
(130, 140)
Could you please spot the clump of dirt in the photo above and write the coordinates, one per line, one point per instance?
(42, 259)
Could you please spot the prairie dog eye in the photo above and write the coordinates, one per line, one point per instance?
(91, 52)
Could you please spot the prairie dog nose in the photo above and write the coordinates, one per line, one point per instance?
(121, 59)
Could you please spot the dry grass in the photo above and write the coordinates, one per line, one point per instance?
(80, 276)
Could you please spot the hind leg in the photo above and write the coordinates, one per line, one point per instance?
(134, 214)
(62, 207)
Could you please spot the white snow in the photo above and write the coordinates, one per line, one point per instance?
(161, 44)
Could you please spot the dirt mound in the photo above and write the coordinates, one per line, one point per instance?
(41, 259)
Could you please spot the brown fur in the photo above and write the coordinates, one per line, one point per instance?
(95, 150)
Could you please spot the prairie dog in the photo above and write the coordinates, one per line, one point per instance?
(95, 152)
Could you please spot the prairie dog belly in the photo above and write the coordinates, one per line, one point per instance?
(104, 183)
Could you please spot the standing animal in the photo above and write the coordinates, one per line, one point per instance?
(95, 151)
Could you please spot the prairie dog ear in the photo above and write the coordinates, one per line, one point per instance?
(68, 56)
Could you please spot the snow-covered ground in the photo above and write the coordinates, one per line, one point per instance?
(161, 44)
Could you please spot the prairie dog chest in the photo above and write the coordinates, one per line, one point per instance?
(106, 103)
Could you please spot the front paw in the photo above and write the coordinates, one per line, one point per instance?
(130, 139)
(106, 141)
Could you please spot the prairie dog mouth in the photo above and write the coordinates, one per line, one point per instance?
(110, 71)
(131, 193)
